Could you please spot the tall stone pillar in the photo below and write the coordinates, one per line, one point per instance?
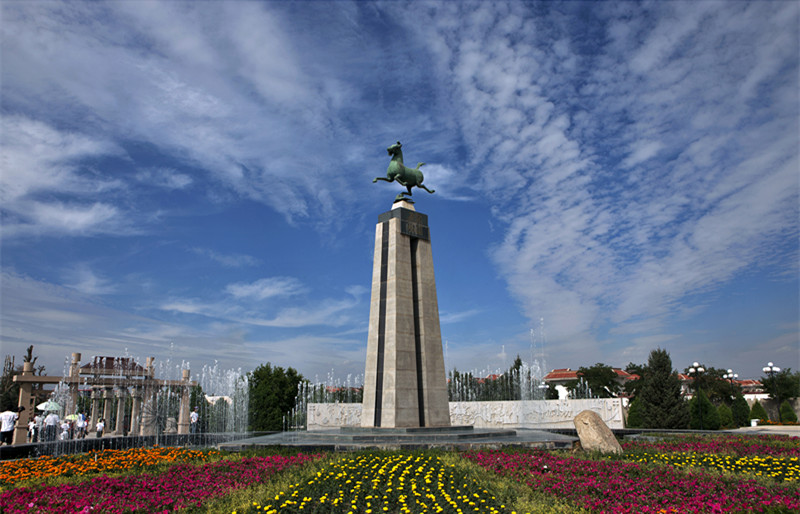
(404, 380)
(25, 395)
(122, 395)
(74, 383)
(136, 411)
(108, 404)
(96, 396)
(183, 409)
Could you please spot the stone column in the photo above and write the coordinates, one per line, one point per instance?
(96, 396)
(25, 395)
(136, 410)
(404, 380)
(122, 395)
(108, 404)
(74, 383)
(183, 411)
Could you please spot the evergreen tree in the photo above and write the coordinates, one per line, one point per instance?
(787, 413)
(272, 394)
(704, 415)
(758, 412)
(662, 404)
(725, 416)
(635, 414)
(741, 411)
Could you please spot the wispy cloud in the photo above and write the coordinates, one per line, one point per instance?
(229, 261)
(266, 288)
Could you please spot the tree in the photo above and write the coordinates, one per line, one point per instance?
(725, 415)
(662, 404)
(704, 415)
(632, 387)
(272, 394)
(783, 385)
(741, 411)
(602, 380)
(719, 390)
(758, 412)
(787, 413)
(635, 414)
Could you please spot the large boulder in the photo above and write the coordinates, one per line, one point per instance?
(595, 434)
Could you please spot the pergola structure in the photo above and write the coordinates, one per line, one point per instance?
(109, 378)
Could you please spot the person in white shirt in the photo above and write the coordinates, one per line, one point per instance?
(7, 421)
(65, 430)
(194, 417)
(80, 426)
(51, 423)
(101, 425)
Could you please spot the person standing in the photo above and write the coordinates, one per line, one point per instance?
(101, 425)
(80, 426)
(51, 425)
(7, 421)
(194, 417)
(38, 433)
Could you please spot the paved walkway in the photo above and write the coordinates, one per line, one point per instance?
(790, 430)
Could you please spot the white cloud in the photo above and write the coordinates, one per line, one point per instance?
(227, 260)
(266, 288)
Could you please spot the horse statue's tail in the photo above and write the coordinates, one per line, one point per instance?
(419, 164)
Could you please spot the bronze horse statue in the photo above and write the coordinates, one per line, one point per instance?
(397, 172)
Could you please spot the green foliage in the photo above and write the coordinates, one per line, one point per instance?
(662, 403)
(725, 415)
(633, 387)
(783, 385)
(718, 389)
(635, 414)
(758, 412)
(704, 415)
(602, 380)
(741, 411)
(272, 394)
(787, 413)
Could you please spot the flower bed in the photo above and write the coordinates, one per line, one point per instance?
(105, 461)
(379, 482)
(740, 446)
(618, 486)
(182, 486)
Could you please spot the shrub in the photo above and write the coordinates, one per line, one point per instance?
(703, 414)
(741, 411)
(787, 413)
(635, 414)
(758, 412)
(725, 416)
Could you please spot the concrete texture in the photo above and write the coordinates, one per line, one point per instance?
(448, 438)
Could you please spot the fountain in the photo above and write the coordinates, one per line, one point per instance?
(138, 408)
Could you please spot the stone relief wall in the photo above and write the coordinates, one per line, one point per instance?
(519, 414)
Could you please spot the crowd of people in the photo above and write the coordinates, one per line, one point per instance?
(48, 426)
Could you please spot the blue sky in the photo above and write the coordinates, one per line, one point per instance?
(193, 181)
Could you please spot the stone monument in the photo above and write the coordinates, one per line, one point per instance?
(404, 381)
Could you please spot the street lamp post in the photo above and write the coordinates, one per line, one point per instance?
(695, 371)
(730, 375)
(770, 369)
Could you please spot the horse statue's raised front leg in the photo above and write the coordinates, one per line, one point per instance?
(381, 178)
